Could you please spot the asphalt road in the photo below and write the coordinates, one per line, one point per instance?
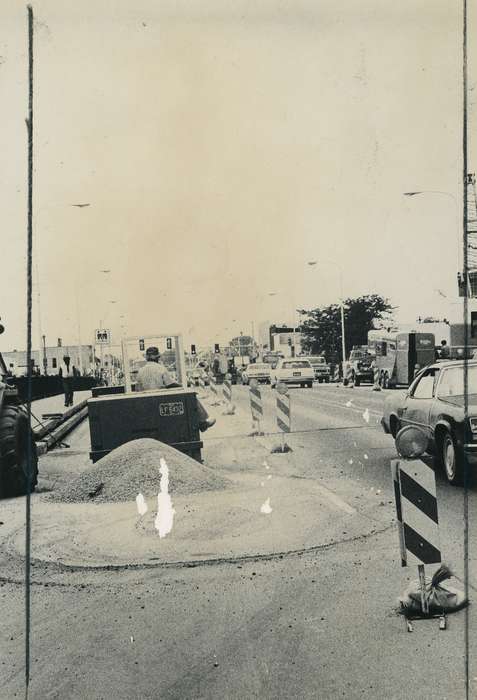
(319, 623)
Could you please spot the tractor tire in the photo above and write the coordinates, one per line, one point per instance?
(15, 436)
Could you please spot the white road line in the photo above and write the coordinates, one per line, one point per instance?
(335, 500)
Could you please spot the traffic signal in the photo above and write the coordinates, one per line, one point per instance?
(169, 343)
(216, 348)
(141, 344)
(192, 350)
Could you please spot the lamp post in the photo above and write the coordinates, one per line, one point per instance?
(312, 263)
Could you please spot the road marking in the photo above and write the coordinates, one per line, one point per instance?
(335, 500)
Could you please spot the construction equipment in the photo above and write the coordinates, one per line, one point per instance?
(17, 441)
(166, 414)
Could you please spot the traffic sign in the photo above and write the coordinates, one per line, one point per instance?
(192, 350)
(141, 344)
(102, 336)
(169, 343)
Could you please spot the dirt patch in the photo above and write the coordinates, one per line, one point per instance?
(133, 468)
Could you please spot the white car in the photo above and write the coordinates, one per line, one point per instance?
(257, 370)
(293, 371)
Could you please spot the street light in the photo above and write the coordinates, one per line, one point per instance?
(312, 263)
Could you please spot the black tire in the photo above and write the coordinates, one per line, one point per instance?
(357, 381)
(310, 385)
(451, 458)
(327, 380)
(15, 435)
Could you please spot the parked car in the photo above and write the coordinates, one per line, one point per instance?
(293, 371)
(434, 402)
(321, 368)
(257, 370)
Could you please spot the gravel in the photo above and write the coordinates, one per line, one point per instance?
(133, 468)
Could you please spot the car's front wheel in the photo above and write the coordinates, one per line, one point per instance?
(451, 458)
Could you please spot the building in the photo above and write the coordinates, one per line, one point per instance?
(81, 357)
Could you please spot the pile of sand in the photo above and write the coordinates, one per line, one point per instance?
(133, 468)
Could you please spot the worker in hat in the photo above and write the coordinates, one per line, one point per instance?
(154, 375)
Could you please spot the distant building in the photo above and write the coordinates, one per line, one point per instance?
(81, 357)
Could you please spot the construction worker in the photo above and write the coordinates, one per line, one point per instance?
(67, 379)
(154, 375)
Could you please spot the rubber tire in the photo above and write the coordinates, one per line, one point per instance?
(310, 385)
(327, 381)
(357, 381)
(455, 475)
(14, 436)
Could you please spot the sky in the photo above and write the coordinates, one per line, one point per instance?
(221, 145)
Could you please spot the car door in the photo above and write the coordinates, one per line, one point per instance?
(416, 409)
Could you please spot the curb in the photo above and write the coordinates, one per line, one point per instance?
(65, 427)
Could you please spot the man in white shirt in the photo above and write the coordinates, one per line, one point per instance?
(154, 375)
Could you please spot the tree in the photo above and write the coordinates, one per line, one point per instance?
(243, 345)
(321, 329)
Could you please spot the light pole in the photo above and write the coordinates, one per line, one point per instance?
(312, 263)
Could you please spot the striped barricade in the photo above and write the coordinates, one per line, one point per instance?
(227, 395)
(283, 414)
(213, 389)
(416, 506)
(420, 523)
(376, 384)
(256, 406)
(227, 391)
(349, 376)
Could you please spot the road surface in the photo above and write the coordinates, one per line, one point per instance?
(314, 623)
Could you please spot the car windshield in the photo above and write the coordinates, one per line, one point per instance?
(295, 365)
(452, 382)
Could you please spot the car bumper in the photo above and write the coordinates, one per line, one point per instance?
(296, 380)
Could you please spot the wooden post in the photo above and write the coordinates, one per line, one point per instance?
(422, 582)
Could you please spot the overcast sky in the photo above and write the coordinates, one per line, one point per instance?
(220, 146)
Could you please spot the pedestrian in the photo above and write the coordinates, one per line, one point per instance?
(444, 353)
(154, 375)
(67, 380)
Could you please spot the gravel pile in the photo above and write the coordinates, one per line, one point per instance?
(133, 468)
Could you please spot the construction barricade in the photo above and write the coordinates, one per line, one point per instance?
(256, 406)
